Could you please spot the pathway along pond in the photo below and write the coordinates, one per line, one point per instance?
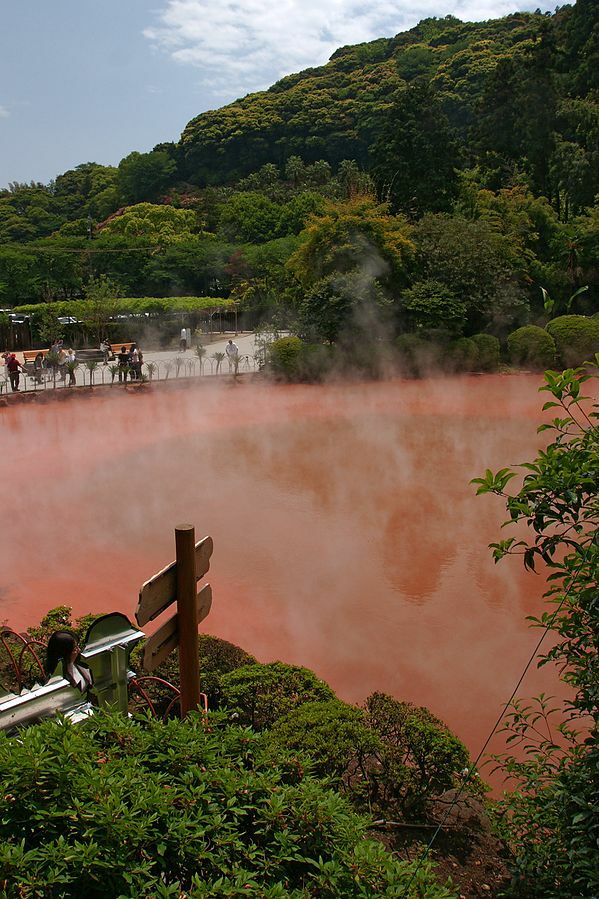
(347, 537)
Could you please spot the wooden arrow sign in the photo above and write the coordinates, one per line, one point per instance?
(160, 591)
(161, 644)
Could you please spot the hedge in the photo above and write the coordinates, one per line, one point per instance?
(132, 305)
(462, 355)
(489, 351)
(531, 347)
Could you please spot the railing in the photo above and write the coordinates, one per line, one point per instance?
(24, 675)
(110, 374)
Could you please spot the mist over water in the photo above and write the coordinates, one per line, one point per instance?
(347, 537)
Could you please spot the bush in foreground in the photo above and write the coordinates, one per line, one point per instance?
(390, 756)
(531, 347)
(121, 808)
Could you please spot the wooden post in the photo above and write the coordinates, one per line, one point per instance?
(187, 616)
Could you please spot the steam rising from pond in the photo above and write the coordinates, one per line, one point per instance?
(347, 537)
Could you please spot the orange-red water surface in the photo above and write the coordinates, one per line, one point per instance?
(347, 537)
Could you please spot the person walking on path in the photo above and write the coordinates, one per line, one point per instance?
(71, 365)
(183, 340)
(232, 353)
(13, 365)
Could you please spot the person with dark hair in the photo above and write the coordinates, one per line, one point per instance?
(124, 362)
(63, 646)
(14, 367)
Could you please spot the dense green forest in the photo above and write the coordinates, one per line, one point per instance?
(447, 178)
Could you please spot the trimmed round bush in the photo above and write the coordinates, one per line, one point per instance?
(417, 356)
(420, 757)
(261, 694)
(332, 733)
(576, 339)
(489, 351)
(462, 355)
(531, 347)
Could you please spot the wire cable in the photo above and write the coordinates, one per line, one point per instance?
(500, 718)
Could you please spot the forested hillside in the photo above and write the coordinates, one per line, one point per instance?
(477, 142)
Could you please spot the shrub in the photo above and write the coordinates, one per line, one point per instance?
(576, 339)
(489, 351)
(417, 356)
(115, 807)
(531, 347)
(462, 355)
(332, 733)
(285, 357)
(419, 758)
(261, 694)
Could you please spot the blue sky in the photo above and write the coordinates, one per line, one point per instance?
(91, 80)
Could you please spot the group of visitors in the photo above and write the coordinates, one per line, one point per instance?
(130, 363)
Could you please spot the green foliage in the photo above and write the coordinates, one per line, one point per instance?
(355, 236)
(217, 657)
(431, 306)
(462, 355)
(576, 338)
(47, 326)
(350, 307)
(250, 218)
(143, 176)
(285, 356)
(115, 807)
(417, 357)
(155, 223)
(474, 262)
(489, 351)
(332, 733)
(417, 155)
(531, 347)
(100, 306)
(261, 694)
(132, 305)
(418, 758)
(550, 818)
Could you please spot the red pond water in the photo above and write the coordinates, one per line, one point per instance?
(347, 537)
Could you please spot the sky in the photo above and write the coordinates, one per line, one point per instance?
(92, 80)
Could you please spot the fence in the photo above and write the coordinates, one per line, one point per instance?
(27, 695)
(95, 374)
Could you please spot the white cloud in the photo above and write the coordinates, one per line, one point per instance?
(244, 45)
(4, 113)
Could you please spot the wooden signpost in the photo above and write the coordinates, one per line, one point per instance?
(178, 582)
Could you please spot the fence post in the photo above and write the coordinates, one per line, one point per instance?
(187, 618)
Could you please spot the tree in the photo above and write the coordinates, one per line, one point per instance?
(551, 819)
(142, 176)
(250, 218)
(356, 235)
(473, 261)
(101, 295)
(157, 223)
(431, 305)
(417, 155)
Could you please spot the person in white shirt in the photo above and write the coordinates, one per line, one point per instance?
(232, 354)
(183, 340)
